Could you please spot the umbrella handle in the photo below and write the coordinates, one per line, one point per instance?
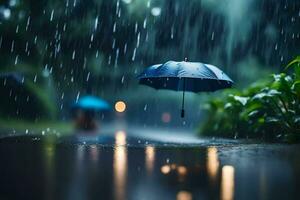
(182, 105)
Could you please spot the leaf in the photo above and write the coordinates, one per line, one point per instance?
(296, 88)
(242, 100)
(297, 120)
(272, 119)
(270, 93)
(253, 113)
(293, 63)
(227, 105)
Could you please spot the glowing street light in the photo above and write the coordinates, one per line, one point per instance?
(120, 106)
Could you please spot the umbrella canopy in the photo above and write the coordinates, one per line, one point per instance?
(185, 76)
(92, 103)
(11, 77)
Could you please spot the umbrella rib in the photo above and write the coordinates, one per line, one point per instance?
(212, 72)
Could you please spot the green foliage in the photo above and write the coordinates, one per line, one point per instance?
(269, 110)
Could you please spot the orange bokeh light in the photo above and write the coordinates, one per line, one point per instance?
(120, 106)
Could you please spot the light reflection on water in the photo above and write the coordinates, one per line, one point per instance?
(150, 158)
(143, 172)
(49, 159)
(227, 184)
(94, 153)
(184, 195)
(120, 165)
(212, 163)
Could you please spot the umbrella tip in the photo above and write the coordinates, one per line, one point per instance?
(182, 113)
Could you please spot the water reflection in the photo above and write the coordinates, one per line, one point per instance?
(150, 158)
(212, 163)
(120, 138)
(49, 156)
(120, 165)
(227, 184)
(94, 153)
(77, 186)
(165, 169)
(184, 195)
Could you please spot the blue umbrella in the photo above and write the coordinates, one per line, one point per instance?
(185, 76)
(92, 103)
(14, 76)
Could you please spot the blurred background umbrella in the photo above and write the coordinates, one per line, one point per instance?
(91, 103)
(185, 76)
(11, 78)
(87, 107)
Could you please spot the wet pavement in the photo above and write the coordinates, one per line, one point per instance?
(127, 166)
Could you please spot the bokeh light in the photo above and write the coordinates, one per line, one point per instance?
(166, 117)
(120, 106)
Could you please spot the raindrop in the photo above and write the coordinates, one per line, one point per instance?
(35, 39)
(16, 60)
(119, 14)
(35, 78)
(17, 29)
(114, 43)
(77, 97)
(96, 23)
(138, 40)
(127, 1)
(109, 59)
(149, 4)
(117, 56)
(145, 107)
(51, 16)
(117, 7)
(133, 56)
(122, 80)
(12, 46)
(28, 23)
(156, 11)
(12, 3)
(114, 27)
(73, 55)
(88, 77)
(26, 47)
(213, 35)
(145, 23)
(92, 37)
(135, 27)
(125, 48)
(6, 13)
(293, 19)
